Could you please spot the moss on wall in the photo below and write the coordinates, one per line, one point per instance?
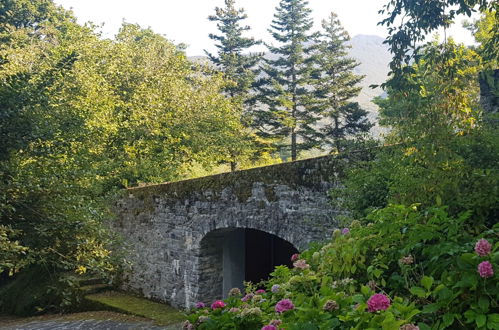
(310, 173)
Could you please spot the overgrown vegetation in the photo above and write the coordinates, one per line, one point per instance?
(82, 117)
(422, 262)
(421, 248)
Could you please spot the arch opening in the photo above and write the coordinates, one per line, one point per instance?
(230, 256)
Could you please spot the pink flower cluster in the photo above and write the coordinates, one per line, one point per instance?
(247, 297)
(378, 302)
(295, 257)
(269, 327)
(409, 327)
(261, 291)
(485, 269)
(217, 304)
(301, 264)
(483, 247)
(284, 305)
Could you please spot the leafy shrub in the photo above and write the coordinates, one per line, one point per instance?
(404, 268)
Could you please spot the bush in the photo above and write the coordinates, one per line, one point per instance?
(405, 267)
(36, 291)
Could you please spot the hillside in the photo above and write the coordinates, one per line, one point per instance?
(373, 57)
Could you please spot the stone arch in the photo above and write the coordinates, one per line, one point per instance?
(228, 256)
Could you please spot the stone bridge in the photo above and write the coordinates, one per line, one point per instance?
(193, 240)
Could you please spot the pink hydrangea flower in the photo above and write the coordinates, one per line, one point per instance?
(217, 304)
(261, 291)
(295, 257)
(483, 247)
(378, 302)
(200, 304)
(485, 269)
(345, 231)
(409, 327)
(284, 305)
(187, 325)
(301, 264)
(247, 297)
(275, 323)
(269, 327)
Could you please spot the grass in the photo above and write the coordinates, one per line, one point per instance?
(160, 313)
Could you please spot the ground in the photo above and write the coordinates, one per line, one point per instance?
(128, 312)
(98, 320)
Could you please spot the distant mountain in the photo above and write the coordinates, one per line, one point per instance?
(374, 58)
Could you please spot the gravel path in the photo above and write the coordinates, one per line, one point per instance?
(86, 325)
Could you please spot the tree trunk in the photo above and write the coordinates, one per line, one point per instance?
(336, 134)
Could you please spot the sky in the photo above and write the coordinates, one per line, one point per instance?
(185, 21)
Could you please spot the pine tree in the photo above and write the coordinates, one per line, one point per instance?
(335, 85)
(284, 88)
(238, 67)
(231, 45)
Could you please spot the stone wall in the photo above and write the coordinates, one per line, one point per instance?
(165, 224)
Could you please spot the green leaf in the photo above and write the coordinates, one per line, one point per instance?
(448, 319)
(493, 321)
(431, 308)
(364, 290)
(445, 293)
(377, 273)
(418, 291)
(470, 315)
(483, 303)
(423, 326)
(480, 320)
(427, 282)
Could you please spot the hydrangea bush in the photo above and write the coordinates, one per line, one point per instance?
(403, 269)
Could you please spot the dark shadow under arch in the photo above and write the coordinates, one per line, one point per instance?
(229, 256)
(263, 253)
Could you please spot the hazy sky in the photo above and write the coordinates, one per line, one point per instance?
(186, 20)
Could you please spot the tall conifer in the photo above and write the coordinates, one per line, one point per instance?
(335, 85)
(284, 86)
(239, 67)
(231, 44)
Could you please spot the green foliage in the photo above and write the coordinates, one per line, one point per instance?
(442, 153)
(36, 290)
(231, 44)
(241, 70)
(283, 89)
(335, 85)
(422, 259)
(82, 117)
(484, 30)
(11, 252)
(423, 203)
(420, 17)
